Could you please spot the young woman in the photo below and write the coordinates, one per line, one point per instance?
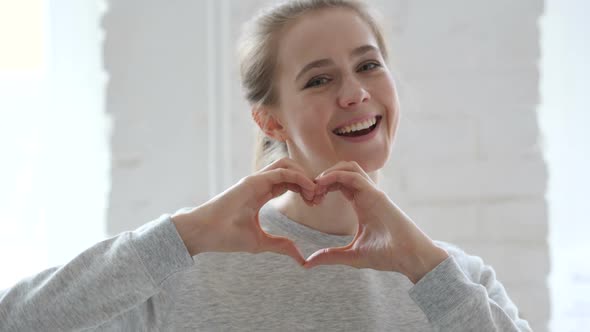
(316, 75)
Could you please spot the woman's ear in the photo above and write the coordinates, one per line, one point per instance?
(268, 122)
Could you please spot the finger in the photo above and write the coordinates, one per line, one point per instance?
(305, 194)
(275, 182)
(332, 256)
(284, 246)
(280, 189)
(309, 203)
(284, 175)
(288, 163)
(318, 199)
(350, 180)
(351, 166)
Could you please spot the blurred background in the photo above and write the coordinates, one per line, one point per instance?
(114, 112)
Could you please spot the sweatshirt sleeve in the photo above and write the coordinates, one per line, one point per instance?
(452, 301)
(114, 277)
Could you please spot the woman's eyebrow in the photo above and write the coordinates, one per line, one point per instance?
(314, 64)
(362, 50)
(327, 62)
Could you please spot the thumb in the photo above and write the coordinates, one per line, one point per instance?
(332, 256)
(283, 246)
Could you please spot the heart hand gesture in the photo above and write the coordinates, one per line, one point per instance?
(386, 239)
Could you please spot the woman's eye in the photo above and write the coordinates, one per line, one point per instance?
(317, 82)
(369, 66)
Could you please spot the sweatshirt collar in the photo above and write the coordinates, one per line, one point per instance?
(271, 216)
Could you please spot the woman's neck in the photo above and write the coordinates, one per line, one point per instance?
(335, 215)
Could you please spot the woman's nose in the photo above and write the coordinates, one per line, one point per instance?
(352, 93)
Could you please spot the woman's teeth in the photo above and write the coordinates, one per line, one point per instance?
(357, 126)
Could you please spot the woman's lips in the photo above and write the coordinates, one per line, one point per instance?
(366, 136)
(355, 120)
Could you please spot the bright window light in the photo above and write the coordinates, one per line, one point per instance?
(53, 134)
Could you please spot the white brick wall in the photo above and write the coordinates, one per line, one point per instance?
(466, 166)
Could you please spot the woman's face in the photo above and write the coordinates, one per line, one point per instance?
(331, 79)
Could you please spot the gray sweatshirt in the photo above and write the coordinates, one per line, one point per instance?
(146, 280)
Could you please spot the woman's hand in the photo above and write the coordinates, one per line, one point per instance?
(229, 221)
(386, 239)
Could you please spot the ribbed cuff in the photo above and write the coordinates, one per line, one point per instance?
(161, 249)
(442, 290)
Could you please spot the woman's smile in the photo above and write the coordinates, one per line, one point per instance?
(359, 131)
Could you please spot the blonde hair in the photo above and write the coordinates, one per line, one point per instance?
(257, 55)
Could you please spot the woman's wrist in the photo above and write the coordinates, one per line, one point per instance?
(192, 228)
(424, 260)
